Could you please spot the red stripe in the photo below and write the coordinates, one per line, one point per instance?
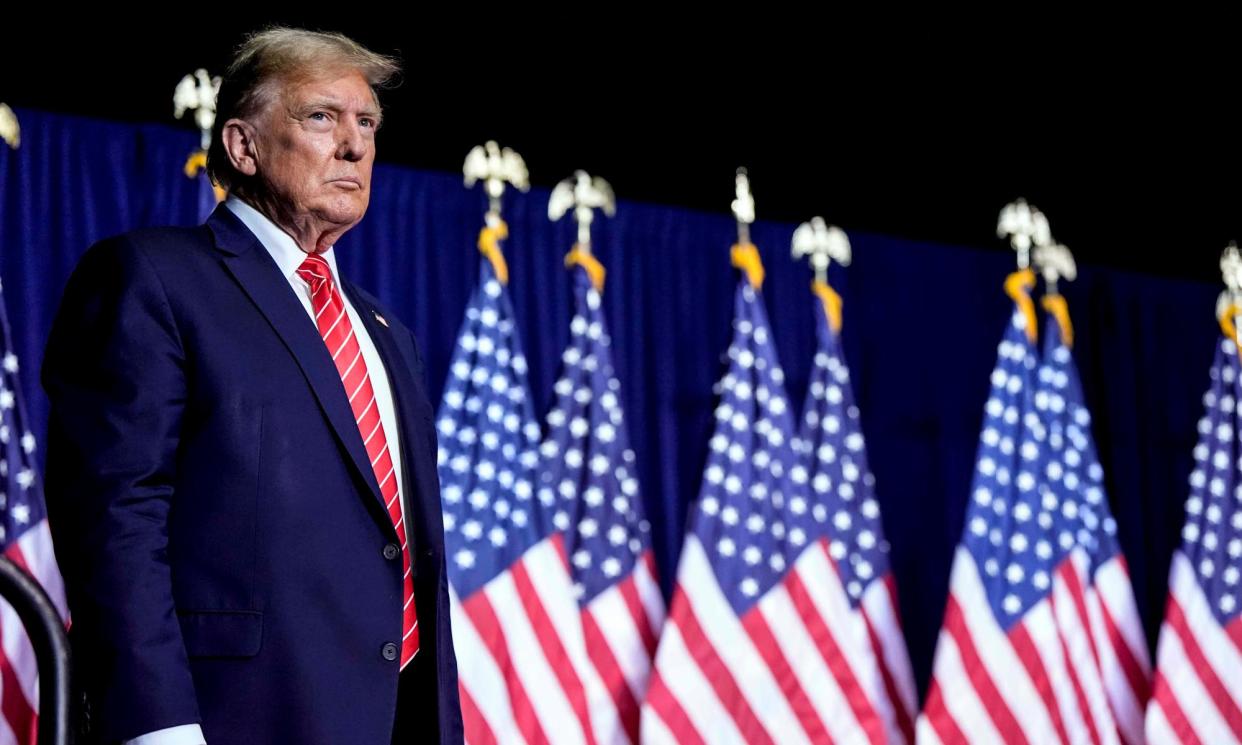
(1233, 630)
(1164, 698)
(605, 663)
(904, 722)
(15, 555)
(1022, 643)
(1069, 574)
(1071, 667)
(16, 710)
(638, 611)
(1130, 665)
(993, 702)
(761, 634)
(668, 708)
(705, 655)
(483, 615)
(1228, 707)
(890, 586)
(478, 732)
(1077, 593)
(828, 648)
(553, 648)
(939, 718)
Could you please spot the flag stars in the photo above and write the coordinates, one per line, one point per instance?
(752, 555)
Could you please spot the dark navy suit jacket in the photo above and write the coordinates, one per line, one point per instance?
(214, 512)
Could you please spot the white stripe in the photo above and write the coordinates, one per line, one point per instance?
(1042, 622)
(649, 595)
(878, 606)
(7, 736)
(391, 471)
(1158, 730)
(1082, 656)
(556, 714)
(479, 674)
(1221, 652)
(1041, 626)
(348, 370)
(999, 658)
(326, 334)
(692, 691)
(652, 730)
(379, 455)
(358, 417)
(19, 653)
(961, 701)
(549, 574)
(813, 676)
(1112, 581)
(378, 424)
(620, 631)
(1186, 686)
(36, 546)
(727, 636)
(832, 604)
(924, 734)
(359, 388)
(343, 343)
(1126, 707)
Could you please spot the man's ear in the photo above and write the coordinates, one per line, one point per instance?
(238, 136)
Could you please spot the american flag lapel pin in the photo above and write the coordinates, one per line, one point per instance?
(379, 318)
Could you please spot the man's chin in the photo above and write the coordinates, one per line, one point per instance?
(344, 215)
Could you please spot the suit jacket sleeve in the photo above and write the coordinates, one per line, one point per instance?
(114, 371)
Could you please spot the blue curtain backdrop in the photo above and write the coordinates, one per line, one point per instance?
(922, 321)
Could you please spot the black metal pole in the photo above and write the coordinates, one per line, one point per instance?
(51, 647)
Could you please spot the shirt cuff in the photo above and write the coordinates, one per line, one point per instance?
(182, 734)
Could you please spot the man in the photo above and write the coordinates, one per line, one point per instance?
(241, 471)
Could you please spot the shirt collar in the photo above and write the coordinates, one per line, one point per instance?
(283, 249)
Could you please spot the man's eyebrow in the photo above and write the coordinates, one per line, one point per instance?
(333, 104)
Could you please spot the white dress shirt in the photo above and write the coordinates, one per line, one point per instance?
(288, 256)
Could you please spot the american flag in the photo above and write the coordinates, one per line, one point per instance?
(1106, 608)
(26, 542)
(589, 464)
(1197, 693)
(748, 654)
(832, 443)
(1016, 660)
(517, 632)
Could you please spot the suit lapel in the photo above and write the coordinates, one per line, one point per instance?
(424, 492)
(256, 272)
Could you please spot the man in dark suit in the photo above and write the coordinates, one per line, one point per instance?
(241, 462)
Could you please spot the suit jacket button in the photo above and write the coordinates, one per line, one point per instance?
(389, 651)
(392, 551)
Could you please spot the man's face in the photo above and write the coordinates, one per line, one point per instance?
(315, 145)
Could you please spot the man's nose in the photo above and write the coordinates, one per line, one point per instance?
(352, 145)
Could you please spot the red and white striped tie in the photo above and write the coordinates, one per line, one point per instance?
(338, 334)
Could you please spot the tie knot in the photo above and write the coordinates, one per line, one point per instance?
(315, 271)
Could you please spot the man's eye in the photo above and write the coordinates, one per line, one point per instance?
(319, 115)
